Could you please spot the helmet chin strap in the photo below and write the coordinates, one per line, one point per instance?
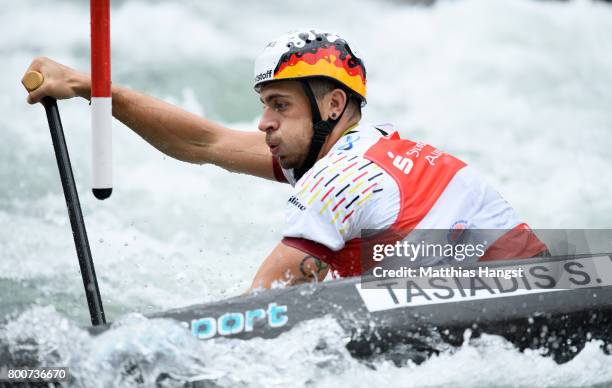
(321, 130)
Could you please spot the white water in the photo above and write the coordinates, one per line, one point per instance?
(520, 89)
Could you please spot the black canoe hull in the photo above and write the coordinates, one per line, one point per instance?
(559, 321)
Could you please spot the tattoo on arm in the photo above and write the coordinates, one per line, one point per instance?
(311, 268)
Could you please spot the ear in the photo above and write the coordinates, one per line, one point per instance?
(337, 100)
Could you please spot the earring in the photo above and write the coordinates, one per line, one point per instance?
(333, 116)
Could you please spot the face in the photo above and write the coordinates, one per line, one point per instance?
(287, 122)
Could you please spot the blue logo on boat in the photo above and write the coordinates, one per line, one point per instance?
(238, 322)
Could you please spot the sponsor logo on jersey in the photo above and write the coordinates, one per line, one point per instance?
(294, 201)
(401, 163)
(348, 142)
(456, 230)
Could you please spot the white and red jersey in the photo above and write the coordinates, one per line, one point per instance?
(373, 179)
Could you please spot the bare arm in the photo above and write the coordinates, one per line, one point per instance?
(289, 265)
(191, 138)
(173, 131)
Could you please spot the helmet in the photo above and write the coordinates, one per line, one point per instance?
(300, 55)
(311, 53)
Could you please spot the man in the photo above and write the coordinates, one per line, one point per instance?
(347, 177)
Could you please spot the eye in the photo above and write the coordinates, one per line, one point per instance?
(280, 106)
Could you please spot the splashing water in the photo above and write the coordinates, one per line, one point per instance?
(518, 88)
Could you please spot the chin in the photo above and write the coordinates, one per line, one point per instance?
(287, 163)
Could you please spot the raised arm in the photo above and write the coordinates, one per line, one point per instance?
(173, 131)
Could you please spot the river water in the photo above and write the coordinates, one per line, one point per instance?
(520, 89)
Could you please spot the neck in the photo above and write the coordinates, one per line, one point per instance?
(346, 122)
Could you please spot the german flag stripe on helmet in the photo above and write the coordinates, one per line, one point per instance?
(324, 61)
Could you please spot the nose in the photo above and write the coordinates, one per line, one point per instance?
(268, 121)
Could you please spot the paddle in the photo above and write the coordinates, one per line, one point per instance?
(32, 80)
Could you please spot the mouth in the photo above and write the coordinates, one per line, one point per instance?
(274, 150)
(274, 147)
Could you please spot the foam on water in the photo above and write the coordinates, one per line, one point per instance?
(518, 88)
(141, 352)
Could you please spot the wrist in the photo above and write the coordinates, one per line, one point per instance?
(81, 85)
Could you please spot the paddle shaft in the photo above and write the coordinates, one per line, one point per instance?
(92, 292)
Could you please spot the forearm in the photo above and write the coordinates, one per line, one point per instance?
(289, 266)
(173, 131)
(185, 136)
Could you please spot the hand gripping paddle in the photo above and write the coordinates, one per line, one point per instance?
(32, 81)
